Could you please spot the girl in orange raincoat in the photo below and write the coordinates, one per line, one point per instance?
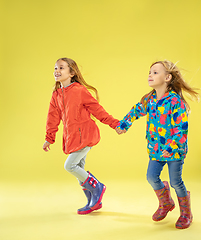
(72, 103)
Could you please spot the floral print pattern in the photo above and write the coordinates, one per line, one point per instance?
(167, 125)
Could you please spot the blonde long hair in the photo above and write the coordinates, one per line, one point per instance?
(77, 76)
(177, 83)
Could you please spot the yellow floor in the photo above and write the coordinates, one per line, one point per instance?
(40, 211)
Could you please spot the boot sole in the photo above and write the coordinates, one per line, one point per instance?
(99, 200)
(89, 211)
(157, 220)
(184, 227)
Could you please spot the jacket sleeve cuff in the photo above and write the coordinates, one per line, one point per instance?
(114, 124)
(171, 147)
(122, 125)
(49, 140)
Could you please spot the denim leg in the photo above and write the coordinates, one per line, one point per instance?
(175, 174)
(153, 174)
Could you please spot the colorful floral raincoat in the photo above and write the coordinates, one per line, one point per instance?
(167, 125)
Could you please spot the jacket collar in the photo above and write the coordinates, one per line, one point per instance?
(166, 95)
(68, 87)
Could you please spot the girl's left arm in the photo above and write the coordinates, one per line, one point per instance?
(97, 110)
(179, 130)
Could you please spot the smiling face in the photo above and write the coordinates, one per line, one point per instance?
(158, 77)
(62, 73)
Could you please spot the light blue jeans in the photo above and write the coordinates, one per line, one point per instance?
(175, 175)
(75, 163)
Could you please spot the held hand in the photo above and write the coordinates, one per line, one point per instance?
(46, 146)
(119, 131)
(166, 153)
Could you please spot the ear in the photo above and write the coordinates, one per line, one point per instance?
(72, 74)
(168, 77)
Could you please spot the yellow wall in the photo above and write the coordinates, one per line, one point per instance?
(114, 42)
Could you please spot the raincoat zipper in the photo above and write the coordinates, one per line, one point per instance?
(64, 117)
(80, 135)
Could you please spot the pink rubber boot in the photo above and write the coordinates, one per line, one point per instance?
(166, 203)
(186, 216)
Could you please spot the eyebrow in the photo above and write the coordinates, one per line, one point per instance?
(60, 66)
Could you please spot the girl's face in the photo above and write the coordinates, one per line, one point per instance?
(158, 78)
(62, 73)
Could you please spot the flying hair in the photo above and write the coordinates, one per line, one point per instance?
(177, 84)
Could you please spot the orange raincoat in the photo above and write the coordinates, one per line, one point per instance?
(74, 105)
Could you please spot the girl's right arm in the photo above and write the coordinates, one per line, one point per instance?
(53, 121)
(136, 112)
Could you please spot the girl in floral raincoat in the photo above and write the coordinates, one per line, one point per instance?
(166, 133)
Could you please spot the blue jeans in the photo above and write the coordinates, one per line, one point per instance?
(175, 175)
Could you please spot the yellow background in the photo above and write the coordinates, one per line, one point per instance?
(114, 43)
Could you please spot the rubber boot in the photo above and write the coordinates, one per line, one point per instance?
(166, 203)
(97, 190)
(186, 216)
(86, 209)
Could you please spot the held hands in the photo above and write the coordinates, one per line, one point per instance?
(119, 131)
(46, 146)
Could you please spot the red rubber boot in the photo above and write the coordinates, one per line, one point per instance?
(166, 203)
(186, 216)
